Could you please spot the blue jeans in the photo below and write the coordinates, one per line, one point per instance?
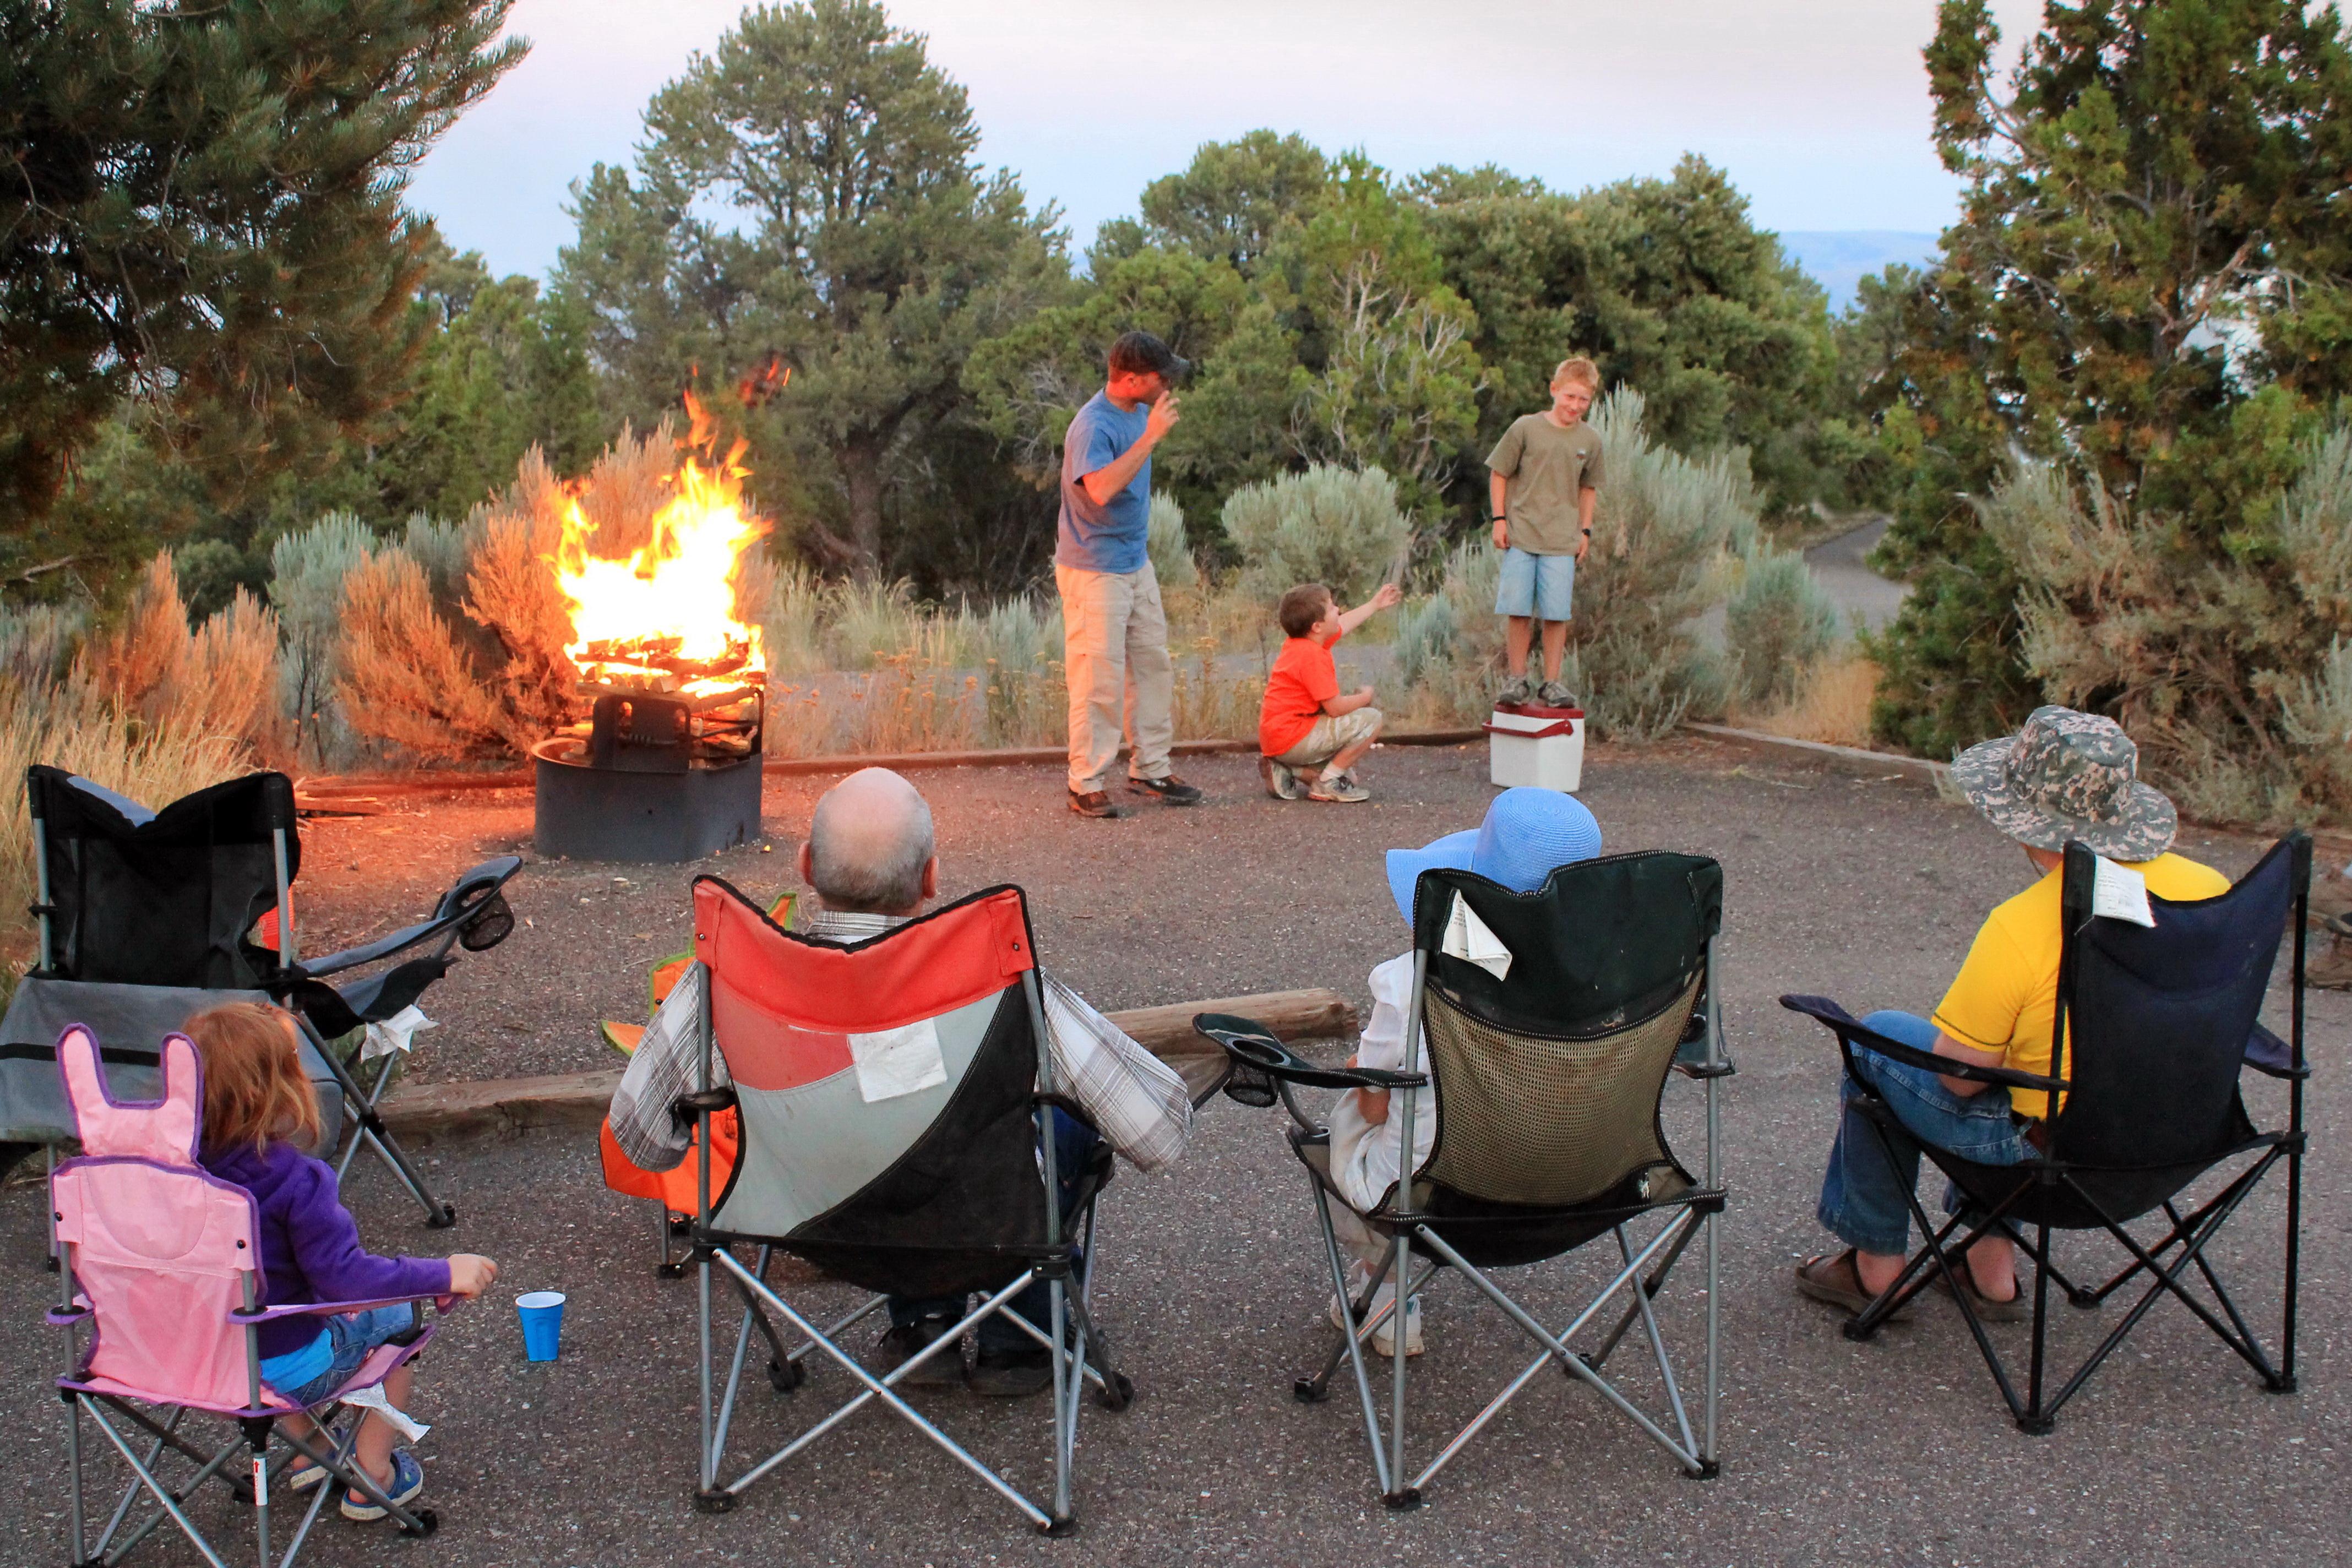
(1073, 1150)
(352, 1335)
(1540, 586)
(1865, 1197)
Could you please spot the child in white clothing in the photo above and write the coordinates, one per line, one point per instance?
(1526, 834)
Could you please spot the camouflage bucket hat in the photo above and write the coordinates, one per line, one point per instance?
(2068, 775)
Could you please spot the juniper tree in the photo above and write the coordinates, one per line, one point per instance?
(202, 204)
(2151, 277)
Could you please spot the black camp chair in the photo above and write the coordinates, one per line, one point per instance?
(2153, 1026)
(146, 917)
(1549, 1082)
(924, 1190)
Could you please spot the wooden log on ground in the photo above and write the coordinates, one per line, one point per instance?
(502, 1106)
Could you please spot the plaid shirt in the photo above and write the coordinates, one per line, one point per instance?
(1135, 1100)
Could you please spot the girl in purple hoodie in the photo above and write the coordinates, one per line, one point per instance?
(260, 1113)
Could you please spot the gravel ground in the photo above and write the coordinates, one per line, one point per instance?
(1894, 1451)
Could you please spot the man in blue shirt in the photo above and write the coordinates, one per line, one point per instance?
(1114, 632)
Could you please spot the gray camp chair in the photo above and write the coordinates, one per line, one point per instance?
(1549, 1083)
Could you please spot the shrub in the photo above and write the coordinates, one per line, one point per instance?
(1172, 555)
(306, 585)
(1778, 624)
(2231, 671)
(1329, 525)
(219, 680)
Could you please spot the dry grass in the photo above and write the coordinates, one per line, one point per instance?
(1832, 704)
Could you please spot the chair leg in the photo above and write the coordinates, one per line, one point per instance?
(1352, 1342)
(1400, 1495)
(1657, 1341)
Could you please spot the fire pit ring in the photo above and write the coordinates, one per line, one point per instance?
(584, 812)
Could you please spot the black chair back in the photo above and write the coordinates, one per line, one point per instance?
(164, 900)
(2158, 1020)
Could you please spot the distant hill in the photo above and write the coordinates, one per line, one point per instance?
(1840, 258)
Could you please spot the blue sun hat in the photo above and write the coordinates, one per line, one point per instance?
(1527, 833)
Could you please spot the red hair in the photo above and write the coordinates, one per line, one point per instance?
(255, 1089)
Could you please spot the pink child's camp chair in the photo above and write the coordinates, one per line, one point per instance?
(160, 1261)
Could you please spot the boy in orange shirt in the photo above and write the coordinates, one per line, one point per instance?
(1306, 729)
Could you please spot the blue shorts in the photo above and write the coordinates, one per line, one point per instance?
(1536, 585)
(351, 1336)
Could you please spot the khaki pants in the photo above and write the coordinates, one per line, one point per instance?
(1115, 657)
(1330, 736)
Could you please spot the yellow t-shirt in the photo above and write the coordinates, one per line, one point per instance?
(2005, 997)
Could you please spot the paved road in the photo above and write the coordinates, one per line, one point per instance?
(1890, 1452)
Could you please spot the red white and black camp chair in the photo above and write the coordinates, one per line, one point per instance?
(889, 1096)
(161, 1267)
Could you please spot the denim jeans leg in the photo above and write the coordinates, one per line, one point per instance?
(1863, 1194)
(1074, 1147)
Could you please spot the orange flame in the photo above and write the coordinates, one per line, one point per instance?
(665, 617)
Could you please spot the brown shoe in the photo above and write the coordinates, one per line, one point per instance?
(2331, 967)
(1837, 1280)
(1094, 803)
(2015, 1309)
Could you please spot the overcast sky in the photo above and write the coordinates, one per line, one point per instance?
(1818, 108)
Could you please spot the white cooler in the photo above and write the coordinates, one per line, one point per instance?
(1539, 746)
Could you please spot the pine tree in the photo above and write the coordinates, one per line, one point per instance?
(202, 203)
(2151, 278)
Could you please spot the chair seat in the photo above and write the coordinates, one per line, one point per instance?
(1493, 1235)
(381, 1363)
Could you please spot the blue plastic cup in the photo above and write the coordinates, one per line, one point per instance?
(542, 1323)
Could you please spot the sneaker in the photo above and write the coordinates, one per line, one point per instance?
(1280, 781)
(1515, 692)
(407, 1481)
(1384, 1337)
(1552, 694)
(1172, 790)
(1012, 1374)
(904, 1342)
(1094, 803)
(1343, 788)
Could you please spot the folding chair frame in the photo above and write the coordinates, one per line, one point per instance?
(251, 1482)
(2036, 1413)
(477, 895)
(1644, 1270)
(1078, 1352)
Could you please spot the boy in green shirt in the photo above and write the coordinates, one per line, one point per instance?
(1545, 476)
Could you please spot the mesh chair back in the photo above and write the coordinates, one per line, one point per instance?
(160, 1248)
(2158, 1020)
(1548, 1076)
(166, 899)
(884, 1092)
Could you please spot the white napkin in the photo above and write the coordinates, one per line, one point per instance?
(371, 1398)
(2119, 893)
(898, 1061)
(1467, 936)
(397, 1033)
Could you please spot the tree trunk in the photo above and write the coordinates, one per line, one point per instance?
(861, 476)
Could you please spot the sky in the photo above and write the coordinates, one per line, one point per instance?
(1818, 109)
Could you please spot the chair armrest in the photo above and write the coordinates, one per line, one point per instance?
(66, 1317)
(466, 900)
(1851, 1031)
(2273, 1057)
(1252, 1045)
(240, 1317)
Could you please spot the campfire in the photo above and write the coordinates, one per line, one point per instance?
(672, 680)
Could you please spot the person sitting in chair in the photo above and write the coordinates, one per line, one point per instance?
(1526, 835)
(2065, 776)
(869, 858)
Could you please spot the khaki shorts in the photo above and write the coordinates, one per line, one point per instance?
(1330, 737)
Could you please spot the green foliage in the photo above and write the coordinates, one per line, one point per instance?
(1777, 624)
(1670, 288)
(202, 204)
(1236, 202)
(1170, 551)
(1328, 525)
(2234, 673)
(2148, 280)
(808, 196)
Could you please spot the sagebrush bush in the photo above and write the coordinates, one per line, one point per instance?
(1170, 551)
(306, 585)
(2228, 670)
(1778, 624)
(1336, 526)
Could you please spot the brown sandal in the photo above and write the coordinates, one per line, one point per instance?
(1837, 1282)
(2015, 1309)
